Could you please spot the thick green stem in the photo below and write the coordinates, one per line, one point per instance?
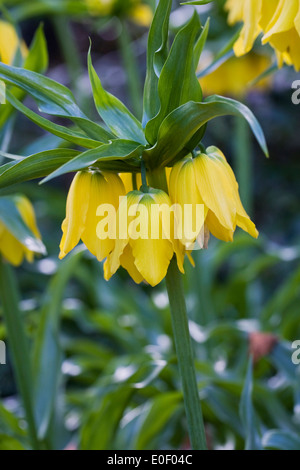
(185, 358)
(243, 164)
(184, 350)
(18, 345)
(132, 70)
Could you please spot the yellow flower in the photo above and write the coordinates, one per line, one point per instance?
(145, 241)
(11, 248)
(243, 69)
(283, 32)
(9, 43)
(278, 20)
(101, 7)
(89, 189)
(140, 13)
(209, 180)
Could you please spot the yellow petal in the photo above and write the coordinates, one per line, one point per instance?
(242, 219)
(76, 211)
(217, 229)
(113, 260)
(215, 188)
(12, 250)
(9, 43)
(105, 188)
(235, 10)
(151, 256)
(27, 212)
(283, 19)
(251, 28)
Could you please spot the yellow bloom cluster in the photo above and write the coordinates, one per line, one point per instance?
(9, 43)
(278, 20)
(129, 235)
(11, 248)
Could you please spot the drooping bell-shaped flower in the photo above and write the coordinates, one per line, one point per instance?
(10, 247)
(89, 191)
(278, 20)
(209, 180)
(145, 241)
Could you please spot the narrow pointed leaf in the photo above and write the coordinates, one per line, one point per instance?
(178, 83)
(178, 129)
(115, 150)
(63, 132)
(52, 98)
(157, 52)
(113, 112)
(34, 166)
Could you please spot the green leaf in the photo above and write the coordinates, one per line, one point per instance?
(199, 46)
(281, 440)
(52, 98)
(10, 424)
(9, 443)
(37, 58)
(247, 413)
(63, 132)
(116, 150)
(100, 427)
(18, 343)
(162, 408)
(55, 129)
(177, 83)
(113, 112)
(11, 218)
(47, 351)
(178, 129)
(157, 52)
(34, 166)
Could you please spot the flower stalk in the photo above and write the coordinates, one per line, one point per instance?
(185, 358)
(182, 340)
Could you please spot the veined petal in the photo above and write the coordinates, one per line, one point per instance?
(217, 229)
(283, 19)
(105, 188)
(113, 260)
(242, 218)
(215, 188)
(297, 20)
(127, 262)
(152, 255)
(76, 211)
(251, 28)
(268, 10)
